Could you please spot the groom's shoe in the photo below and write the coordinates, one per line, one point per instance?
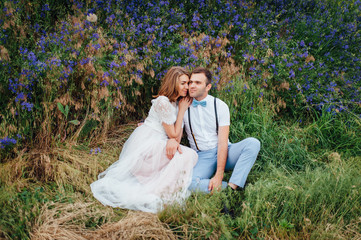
(232, 201)
(238, 189)
(228, 201)
(228, 211)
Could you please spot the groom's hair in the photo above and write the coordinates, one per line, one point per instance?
(205, 71)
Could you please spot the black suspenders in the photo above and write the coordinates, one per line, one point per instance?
(215, 113)
(190, 125)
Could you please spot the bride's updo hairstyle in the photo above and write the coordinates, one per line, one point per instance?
(169, 86)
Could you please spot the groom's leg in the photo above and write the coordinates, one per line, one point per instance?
(241, 157)
(204, 170)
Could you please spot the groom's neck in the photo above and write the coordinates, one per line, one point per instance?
(201, 98)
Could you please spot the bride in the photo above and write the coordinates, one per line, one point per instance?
(144, 178)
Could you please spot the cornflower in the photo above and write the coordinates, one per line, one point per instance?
(46, 7)
(292, 74)
(28, 106)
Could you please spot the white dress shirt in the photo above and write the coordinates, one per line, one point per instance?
(203, 123)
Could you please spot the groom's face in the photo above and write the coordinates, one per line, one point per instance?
(198, 87)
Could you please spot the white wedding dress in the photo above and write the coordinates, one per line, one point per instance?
(144, 178)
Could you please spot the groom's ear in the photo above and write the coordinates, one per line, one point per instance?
(208, 87)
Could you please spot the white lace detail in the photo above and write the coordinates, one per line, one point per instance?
(165, 110)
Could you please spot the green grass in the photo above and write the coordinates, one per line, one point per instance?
(319, 200)
(305, 183)
(20, 209)
(280, 204)
(321, 196)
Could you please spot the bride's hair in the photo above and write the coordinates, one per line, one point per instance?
(169, 86)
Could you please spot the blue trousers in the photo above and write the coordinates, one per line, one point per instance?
(241, 157)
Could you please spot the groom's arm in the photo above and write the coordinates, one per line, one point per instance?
(222, 153)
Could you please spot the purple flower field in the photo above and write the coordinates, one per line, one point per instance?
(107, 57)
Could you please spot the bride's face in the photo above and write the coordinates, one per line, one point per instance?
(183, 86)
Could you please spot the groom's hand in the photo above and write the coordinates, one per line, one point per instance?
(172, 147)
(215, 183)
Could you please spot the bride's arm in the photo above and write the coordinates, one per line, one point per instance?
(175, 130)
(180, 135)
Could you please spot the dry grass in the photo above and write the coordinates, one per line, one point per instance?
(136, 225)
(60, 222)
(67, 221)
(69, 163)
(72, 164)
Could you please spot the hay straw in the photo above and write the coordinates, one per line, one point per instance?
(57, 222)
(136, 225)
(67, 221)
(68, 164)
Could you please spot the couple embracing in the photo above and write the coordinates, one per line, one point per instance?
(154, 169)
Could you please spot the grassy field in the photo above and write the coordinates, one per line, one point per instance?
(77, 76)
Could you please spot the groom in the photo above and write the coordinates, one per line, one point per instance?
(207, 123)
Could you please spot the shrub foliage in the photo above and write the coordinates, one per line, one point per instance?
(103, 59)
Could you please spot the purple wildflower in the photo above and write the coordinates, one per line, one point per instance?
(292, 74)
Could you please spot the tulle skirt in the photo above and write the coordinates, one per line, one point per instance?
(144, 178)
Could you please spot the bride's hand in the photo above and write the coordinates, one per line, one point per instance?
(184, 103)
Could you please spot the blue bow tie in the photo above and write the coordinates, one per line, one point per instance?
(195, 103)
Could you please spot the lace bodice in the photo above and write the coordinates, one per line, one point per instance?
(162, 111)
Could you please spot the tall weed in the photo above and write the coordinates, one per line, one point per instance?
(306, 201)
